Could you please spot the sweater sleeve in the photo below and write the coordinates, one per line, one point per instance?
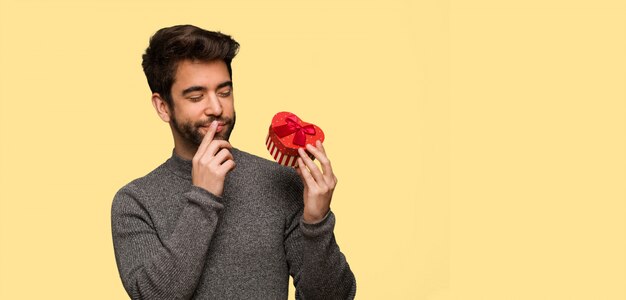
(155, 268)
(319, 269)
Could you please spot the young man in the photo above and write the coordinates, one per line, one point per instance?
(214, 222)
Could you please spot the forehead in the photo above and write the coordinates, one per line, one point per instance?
(208, 74)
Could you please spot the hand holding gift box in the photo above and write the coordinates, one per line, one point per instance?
(293, 142)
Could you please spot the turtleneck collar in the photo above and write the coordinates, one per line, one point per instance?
(182, 167)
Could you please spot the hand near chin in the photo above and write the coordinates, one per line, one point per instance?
(318, 184)
(211, 163)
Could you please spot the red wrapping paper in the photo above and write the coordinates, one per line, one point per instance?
(286, 134)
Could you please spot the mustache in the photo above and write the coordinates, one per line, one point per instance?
(226, 121)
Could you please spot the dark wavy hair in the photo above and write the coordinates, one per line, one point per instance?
(171, 45)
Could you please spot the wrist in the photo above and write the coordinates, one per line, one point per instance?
(314, 219)
(212, 190)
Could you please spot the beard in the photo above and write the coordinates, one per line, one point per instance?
(190, 131)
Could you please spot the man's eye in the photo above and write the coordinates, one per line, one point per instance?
(225, 93)
(195, 98)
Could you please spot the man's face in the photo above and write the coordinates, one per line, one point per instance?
(202, 92)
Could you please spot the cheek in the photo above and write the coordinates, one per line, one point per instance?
(190, 112)
(228, 107)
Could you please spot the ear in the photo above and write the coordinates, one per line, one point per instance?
(161, 107)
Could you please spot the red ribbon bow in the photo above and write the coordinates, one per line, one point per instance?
(294, 124)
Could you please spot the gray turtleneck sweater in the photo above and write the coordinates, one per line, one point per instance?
(173, 240)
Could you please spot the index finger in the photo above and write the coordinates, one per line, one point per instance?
(207, 138)
(320, 154)
(322, 158)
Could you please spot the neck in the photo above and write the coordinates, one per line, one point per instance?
(182, 147)
(185, 153)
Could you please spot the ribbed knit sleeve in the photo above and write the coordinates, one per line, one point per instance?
(319, 269)
(155, 268)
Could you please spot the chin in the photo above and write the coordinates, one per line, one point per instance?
(223, 135)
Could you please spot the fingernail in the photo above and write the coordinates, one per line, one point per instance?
(214, 123)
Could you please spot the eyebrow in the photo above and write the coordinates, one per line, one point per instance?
(196, 88)
(223, 84)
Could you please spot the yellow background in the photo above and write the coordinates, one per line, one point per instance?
(480, 145)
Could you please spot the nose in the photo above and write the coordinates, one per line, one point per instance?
(214, 107)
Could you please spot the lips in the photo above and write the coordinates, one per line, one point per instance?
(220, 127)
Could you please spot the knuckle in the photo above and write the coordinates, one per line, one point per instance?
(323, 189)
(224, 150)
(204, 161)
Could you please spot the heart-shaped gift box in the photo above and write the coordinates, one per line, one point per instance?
(287, 133)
